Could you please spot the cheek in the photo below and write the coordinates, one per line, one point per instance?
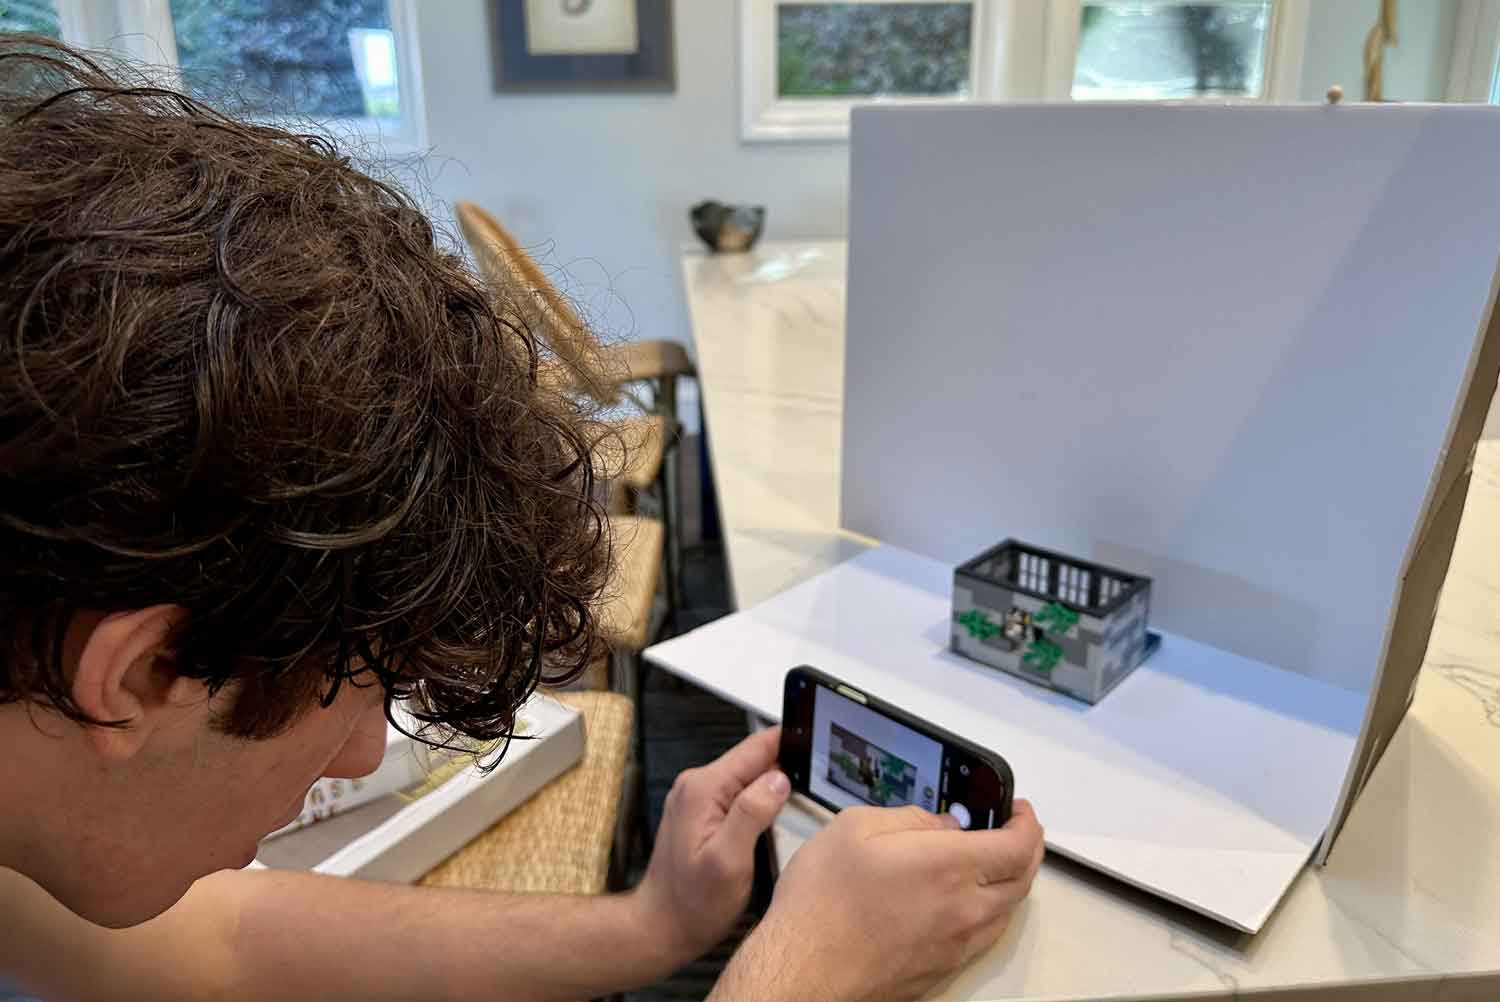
(361, 753)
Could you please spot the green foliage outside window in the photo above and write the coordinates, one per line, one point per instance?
(868, 49)
(292, 55)
(30, 16)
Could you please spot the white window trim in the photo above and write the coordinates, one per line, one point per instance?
(1024, 50)
(1288, 50)
(1476, 46)
(142, 30)
(764, 117)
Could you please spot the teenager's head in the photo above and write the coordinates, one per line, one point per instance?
(270, 458)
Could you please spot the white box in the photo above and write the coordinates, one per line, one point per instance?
(406, 762)
(392, 840)
(1243, 350)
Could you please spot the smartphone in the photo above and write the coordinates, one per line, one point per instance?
(842, 747)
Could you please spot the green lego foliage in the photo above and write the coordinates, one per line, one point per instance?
(1043, 655)
(1056, 618)
(980, 626)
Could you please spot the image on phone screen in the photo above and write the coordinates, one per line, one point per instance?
(863, 757)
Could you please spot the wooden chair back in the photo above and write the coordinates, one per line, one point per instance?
(505, 263)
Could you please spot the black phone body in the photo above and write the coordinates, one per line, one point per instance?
(842, 747)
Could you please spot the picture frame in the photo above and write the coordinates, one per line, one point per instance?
(582, 45)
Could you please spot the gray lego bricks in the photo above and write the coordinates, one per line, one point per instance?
(1068, 624)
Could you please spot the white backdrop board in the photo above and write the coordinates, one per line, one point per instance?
(1226, 347)
(1220, 346)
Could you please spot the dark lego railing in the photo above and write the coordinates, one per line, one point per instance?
(1054, 577)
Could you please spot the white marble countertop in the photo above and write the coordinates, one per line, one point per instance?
(1408, 909)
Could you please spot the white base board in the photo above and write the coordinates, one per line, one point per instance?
(1205, 778)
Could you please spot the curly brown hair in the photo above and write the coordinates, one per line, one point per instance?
(240, 376)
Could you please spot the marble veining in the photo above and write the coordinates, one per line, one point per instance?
(1208, 961)
(1481, 683)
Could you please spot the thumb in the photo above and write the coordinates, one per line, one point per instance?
(753, 810)
(910, 818)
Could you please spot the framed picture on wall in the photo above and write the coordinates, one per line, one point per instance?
(563, 45)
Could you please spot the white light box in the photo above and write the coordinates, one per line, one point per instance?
(1241, 350)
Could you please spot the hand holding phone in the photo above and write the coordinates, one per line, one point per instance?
(843, 748)
(891, 896)
(884, 903)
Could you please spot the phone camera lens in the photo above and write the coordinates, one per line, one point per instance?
(963, 770)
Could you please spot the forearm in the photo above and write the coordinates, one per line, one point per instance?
(259, 935)
(345, 938)
(763, 970)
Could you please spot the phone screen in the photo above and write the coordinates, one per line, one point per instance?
(860, 756)
(845, 748)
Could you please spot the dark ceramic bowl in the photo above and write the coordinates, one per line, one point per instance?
(728, 228)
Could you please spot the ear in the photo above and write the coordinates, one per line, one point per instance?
(120, 677)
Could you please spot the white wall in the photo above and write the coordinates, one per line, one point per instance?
(609, 178)
(602, 183)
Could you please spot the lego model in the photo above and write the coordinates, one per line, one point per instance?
(869, 771)
(1064, 623)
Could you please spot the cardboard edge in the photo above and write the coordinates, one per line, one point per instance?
(1254, 925)
(1251, 926)
(1423, 571)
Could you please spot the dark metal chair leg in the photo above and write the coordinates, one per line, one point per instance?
(671, 500)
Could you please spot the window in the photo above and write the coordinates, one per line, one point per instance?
(328, 61)
(805, 64)
(1171, 50)
(33, 16)
(873, 49)
(346, 64)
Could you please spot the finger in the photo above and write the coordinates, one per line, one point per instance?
(752, 812)
(997, 854)
(1036, 861)
(1023, 817)
(745, 762)
(1024, 822)
(1003, 894)
(891, 820)
(1007, 893)
(1023, 810)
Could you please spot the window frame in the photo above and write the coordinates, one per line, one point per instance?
(143, 30)
(1023, 50)
(1473, 74)
(766, 117)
